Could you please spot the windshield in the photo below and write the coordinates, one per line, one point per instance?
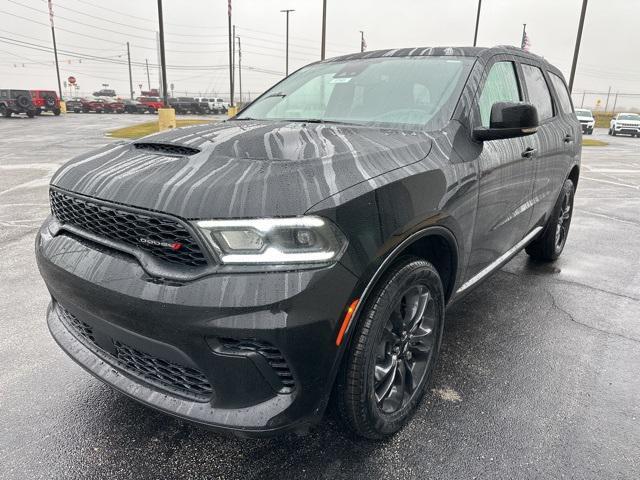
(409, 92)
(629, 116)
(583, 113)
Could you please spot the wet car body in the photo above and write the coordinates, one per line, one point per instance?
(257, 351)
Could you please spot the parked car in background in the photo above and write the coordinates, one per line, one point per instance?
(105, 92)
(134, 106)
(211, 105)
(45, 101)
(220, 104)
(205, 105)
(15, 102)
(92, 105)
(152, 103)
(625, 124)
(243, 274)
(587, 122)
(184, 105)
(112, 105)
(74, 104)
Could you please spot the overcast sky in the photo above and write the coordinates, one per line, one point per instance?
(196, 37)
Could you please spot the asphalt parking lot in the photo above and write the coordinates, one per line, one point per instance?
(539, 375)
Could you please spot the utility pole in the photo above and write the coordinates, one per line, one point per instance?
(577, 48)
(475, 35)
(239, 70)
(582, 103)
(615, 102)
(230, 57)
(233, 58)
(55, 48)
(148, 77)
(130, 77)
(324, 28)
(159, 65)
(286, 70)
(362, 44)
(524, 36)
(606, 105)
(163, 65)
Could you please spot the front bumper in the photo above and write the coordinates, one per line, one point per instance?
(241, 335)
(587, 127)
(626, 129)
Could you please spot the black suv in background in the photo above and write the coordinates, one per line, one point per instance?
(186, 105)
(243, 275)
(16, 101)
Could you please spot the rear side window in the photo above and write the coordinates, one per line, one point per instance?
(563, 94)
(539, 94)
(501, 86)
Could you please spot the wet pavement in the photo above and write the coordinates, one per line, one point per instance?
(538, 377)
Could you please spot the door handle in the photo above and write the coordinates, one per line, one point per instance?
(568, 138)
(529, 152)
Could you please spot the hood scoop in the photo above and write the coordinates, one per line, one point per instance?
(166, 149)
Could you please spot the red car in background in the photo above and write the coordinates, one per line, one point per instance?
(112, 106)
(92, 105)
(45, 101)
(152, 103)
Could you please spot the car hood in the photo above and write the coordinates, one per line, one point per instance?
(241, 168)
(585, 118)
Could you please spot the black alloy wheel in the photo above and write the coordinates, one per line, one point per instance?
(564, 218)
(393, 350)
(405, 349)
(550, 244)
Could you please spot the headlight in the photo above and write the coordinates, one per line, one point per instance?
(274, 240)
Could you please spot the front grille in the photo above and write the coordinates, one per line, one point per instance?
(171, 377)
(173, 242)
(169, 374)
(273, 356)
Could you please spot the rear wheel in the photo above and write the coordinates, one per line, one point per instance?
(31, 113)
(4, 111)
(550, 244)
(393, 351)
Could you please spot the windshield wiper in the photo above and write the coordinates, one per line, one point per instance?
(319, 120)
(277, 94)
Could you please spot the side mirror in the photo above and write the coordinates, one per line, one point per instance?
(509, 120)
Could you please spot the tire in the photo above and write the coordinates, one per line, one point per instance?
(31, 113)
(56, 111)
(367, 396)
(38, 112)
(548, 246)
(613, 132)
(4, 111)
(609, 132)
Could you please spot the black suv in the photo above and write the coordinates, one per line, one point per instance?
(16, 101)
(185, 105)
(241, 275)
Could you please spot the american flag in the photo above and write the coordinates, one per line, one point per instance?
(526, 44)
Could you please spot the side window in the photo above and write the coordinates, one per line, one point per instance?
(538, 90)
(501, 86)
(563, 94)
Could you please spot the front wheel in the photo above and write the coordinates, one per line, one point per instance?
(56, 111)
(31, 113)
(4, 111)
(548, 246)
(393, 351)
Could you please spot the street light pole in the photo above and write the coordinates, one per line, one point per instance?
(130, 77)
(239, 70)
(324, 28)
(55, 48)
(577, 48)
(475, 35)
(163, 63)
(231, 104)
(286, 70)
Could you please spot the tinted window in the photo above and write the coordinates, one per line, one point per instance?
(538, 90)
(501, 86)
(412, 92)
(563, 94)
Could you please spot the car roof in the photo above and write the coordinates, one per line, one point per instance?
(483, 53)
